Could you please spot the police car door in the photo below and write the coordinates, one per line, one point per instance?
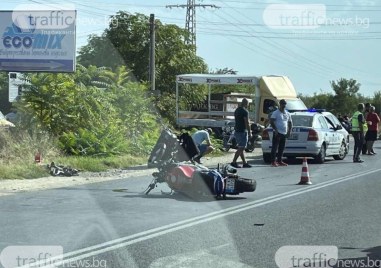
(339, 131)
(329, 136)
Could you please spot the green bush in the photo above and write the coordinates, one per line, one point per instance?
(84, 142)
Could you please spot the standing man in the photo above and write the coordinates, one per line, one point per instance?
(199, 137)
(358, 122)
(242, 133)
(372, 120)
(281, 123)
(366, 112)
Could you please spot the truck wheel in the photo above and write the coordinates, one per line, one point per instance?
(249, 148)
(225, 145)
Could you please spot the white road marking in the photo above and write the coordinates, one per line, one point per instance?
(166, 229)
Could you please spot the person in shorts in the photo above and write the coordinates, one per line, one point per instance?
(202, 140)
(242, 133)
(372, 120)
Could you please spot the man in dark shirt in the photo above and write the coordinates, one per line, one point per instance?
(367, 110)
(242, 133)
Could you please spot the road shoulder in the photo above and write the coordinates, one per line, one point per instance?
(9, 187)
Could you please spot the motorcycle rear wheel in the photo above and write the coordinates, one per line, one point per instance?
(245, 185)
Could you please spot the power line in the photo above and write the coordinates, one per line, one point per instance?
(318, 64)
(277, 3)
(190, 22)
(284, 51)
(268, 53)
(361, 38)
(296, 33)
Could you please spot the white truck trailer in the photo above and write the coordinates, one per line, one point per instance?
(267, 91)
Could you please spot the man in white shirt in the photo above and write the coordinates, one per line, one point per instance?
(199, 137)
(281, 123)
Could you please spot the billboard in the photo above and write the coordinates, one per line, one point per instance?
(37, 40)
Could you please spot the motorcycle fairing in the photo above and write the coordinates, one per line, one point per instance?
(161, 152)
(184, 148)
(180, 177)
(185, 170)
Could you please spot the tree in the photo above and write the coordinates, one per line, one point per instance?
(62, 103)
(5, 106)
(318, 101)
(135, 107)
(129, 37)
(346, 95)
(376, 102)
(99, 52)
(81, 116)
(93, 111)
(225, 70)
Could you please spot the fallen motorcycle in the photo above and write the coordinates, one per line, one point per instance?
(189, 177)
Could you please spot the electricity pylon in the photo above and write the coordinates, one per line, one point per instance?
(190, 22)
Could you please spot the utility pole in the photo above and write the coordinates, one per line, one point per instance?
(190, 22)
(152, 52)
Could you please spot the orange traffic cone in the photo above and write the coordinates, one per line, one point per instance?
(305, 178)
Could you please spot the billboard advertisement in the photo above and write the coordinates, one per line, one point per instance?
(37, 40)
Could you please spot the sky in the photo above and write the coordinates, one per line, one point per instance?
(311, 42)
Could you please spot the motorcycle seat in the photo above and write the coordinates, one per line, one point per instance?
(186, 170)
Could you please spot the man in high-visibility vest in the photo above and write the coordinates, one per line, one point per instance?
(358, 132)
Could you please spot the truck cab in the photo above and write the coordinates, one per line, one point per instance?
(270, 91)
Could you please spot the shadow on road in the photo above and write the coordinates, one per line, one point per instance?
(372, 260)
(181, 197)
(141, 167)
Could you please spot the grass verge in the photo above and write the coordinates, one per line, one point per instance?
(97, 164)
(17, 151)
(20, 170)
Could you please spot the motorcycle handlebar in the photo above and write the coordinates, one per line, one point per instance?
(226, 169)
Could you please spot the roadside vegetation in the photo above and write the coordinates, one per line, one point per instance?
(19, 148)
(104, 116)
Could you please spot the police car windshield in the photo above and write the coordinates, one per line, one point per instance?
(302, 120)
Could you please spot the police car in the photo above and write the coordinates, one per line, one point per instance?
(315, 133)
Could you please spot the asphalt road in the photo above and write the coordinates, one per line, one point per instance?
(112, 224)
